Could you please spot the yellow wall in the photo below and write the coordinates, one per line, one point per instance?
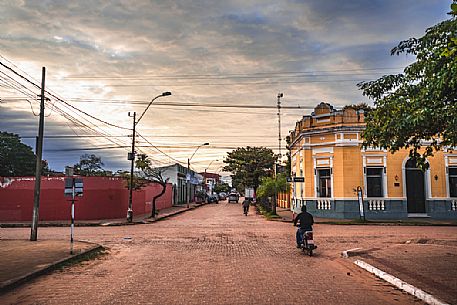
(437, 168)
(348, 160)
(394, 168)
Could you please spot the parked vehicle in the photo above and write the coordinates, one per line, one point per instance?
(233, 197)
(212, 198)
(307, 244)
(222, 196)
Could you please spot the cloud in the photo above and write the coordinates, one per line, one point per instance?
(206, 52)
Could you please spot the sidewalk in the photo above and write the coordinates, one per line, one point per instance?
(427, 265)
(287, 216)
(137, 219)
(23, 260)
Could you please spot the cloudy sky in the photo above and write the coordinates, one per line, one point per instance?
(224, 62)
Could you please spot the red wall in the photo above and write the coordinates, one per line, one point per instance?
(103, 198)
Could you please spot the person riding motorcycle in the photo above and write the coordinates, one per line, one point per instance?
(306, 224)
(246, 204)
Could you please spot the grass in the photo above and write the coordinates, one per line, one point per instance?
(269, 215)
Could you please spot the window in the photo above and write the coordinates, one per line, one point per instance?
(374, 181)
(324, 183)
(452, 181)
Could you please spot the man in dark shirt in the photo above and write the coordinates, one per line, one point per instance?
(246, 204)
(306, 224)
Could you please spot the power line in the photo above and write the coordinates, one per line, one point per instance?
(61, 100)
(229, 75)
(230, 84)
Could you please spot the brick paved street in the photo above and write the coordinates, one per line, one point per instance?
(216, 255)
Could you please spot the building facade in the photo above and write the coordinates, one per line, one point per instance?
(209, 181)
(185, 182)
(326, 151)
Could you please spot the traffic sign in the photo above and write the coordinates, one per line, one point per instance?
(299, 179)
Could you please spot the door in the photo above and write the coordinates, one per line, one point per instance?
(415, 188)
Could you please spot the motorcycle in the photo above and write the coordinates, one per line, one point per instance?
(307, 245)
(245, 210)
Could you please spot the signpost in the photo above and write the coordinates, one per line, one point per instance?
(73, 188)
(360, 198)
(295, 180)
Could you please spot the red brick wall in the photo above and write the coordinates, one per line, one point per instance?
(104, 198)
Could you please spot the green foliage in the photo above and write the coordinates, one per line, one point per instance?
(222, 187)
(269, 186)
(266, 212)
(289, 158)
(360, 106)
(89, 165)
(16, 158)
(149, 173)
(248, 165)
(420, 103)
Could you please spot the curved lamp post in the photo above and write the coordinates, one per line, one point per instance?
(205, 174)
(188, 172)
(131, 155)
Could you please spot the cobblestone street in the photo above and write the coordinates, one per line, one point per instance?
(215, 255)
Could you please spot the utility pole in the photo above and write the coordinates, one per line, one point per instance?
(280, 95)
(279, 125)
(188, 182)
(39, 154)
(131, 157)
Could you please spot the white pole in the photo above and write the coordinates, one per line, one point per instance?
(72, 218)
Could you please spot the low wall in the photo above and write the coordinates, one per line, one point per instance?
(103, 198)
(387, 209)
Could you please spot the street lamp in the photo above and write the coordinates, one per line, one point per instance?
(188, 172)
(205, 174)
(131, 155)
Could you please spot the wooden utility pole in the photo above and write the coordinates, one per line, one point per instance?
(39, 153)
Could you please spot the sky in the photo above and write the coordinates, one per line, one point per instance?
(223, 61)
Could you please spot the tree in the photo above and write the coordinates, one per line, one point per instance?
(360, 106)
(89, 165)
(289, 157)
(270, 186)
(222, 187)
(248, 165)
(16, 158)
(420, 103)
(152, 175)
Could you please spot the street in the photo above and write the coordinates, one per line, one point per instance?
(216, 255)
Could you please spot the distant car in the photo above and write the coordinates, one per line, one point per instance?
(222, 196)
(233, 197)
(212, 198)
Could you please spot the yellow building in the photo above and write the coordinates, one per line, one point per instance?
(326, 151)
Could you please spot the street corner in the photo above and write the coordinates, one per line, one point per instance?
(423, 267)
(24, 260)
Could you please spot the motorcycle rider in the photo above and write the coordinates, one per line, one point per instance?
(306, 224)
(246, 204)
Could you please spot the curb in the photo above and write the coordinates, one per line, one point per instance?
(12, 283)
(418, 293)
(353, 252)
(149, 220)
(98, 224)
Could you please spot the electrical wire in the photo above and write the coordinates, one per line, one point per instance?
(230, 75)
